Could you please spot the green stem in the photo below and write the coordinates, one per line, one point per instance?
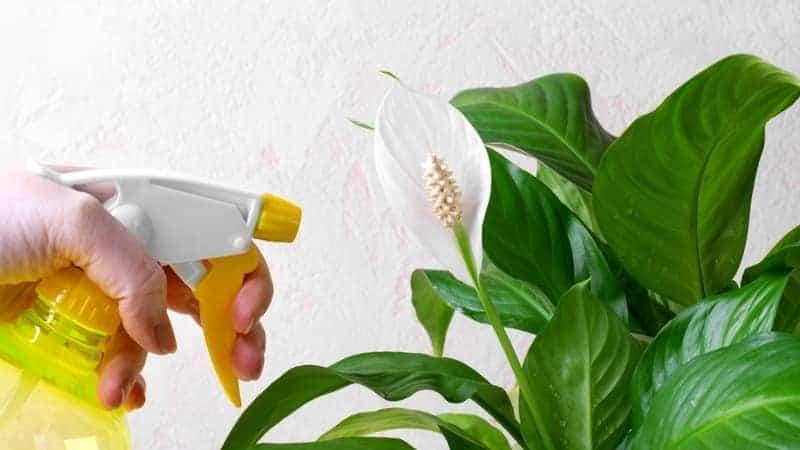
(494, 319)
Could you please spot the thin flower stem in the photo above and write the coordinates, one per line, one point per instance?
(491, 313)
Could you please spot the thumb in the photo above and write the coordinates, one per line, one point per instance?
(119, 264)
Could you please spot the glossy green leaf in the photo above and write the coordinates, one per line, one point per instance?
(785, 255)
(647, 311)
(432, 311)
(580, 366)
(480, 430)
(360, 443)
(519, 305)
(788, 317)
(530, 235)
(625, 443)
(578, 200)
(647, 314)
(672, 195)
(742, 397)
(477, 433)
(549, 118)
(393, 376)
(716, 322)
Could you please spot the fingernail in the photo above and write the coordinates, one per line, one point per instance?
(122, 396)
(136, 398)
(127, 385)
(165, 338)
(238, 322)
(242, 376)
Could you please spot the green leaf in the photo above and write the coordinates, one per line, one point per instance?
(361, 124)
(480, 430)
(745, 396)
(647, 311)
(576, 199)
(393, 376)
(672, 195)
(785, 255)
(341, 444)
(530, 235)
(788, 317)
(518, 304)
(648, 315)
(367, 423)
(712, 324)
(432, 311)
(580, 366)
(549, 118)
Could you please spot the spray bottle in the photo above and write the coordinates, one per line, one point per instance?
(55, 333)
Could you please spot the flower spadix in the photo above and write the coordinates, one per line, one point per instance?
(434, 171)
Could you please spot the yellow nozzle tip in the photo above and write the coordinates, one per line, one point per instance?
(279, 220)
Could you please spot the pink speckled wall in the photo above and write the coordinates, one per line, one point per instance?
(256, 93)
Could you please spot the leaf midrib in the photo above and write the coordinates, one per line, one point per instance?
(588, 389)
(726, 130)
(734, 412)
(542, 124)
(439, 374)
(721, 135)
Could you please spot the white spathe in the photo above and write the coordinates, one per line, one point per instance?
(410, 126)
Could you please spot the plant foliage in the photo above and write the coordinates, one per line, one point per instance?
(620, 255)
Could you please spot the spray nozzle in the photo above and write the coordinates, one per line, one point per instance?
(279, 220)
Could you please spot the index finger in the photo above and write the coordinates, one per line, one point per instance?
(253, 298)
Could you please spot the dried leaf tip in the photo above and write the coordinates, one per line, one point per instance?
(443, 191)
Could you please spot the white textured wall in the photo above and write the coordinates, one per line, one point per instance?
(255, 93)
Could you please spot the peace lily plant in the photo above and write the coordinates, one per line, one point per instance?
(619, 255)
(415, 137)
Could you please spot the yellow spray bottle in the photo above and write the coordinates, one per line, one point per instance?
(54, 333)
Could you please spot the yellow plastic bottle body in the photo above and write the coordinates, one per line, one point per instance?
(48, 385)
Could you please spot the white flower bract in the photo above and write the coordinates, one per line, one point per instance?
(434, 170)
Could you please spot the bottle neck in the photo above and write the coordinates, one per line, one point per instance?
(58, 335)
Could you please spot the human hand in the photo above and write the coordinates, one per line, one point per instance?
(45, 227)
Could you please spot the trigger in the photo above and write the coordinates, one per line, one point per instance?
(216, 293)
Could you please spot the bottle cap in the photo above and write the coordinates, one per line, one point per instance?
(72, 294)
(279, 220)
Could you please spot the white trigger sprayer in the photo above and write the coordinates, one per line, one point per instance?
(203, 231)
